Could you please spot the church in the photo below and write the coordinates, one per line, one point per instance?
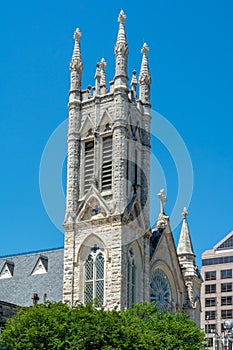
(110, 253)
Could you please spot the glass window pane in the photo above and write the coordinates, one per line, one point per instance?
(89, 268)
(88, 293)
(226, 273)
(210, 275)
(210, 302)
(100, 292)
(210, 288)
(226, 287)
(100, 266)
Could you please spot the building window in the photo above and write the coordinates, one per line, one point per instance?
(210, 275)
(215, 261)
(226, 287)
(210, 288)
(131, 279)
(226, 314)
(210, 315)
(226, 273)
(88, 165)
(107, 164)
(210, 302)
(94, 278)
(228, 244)
(226, 300)
(210, 327)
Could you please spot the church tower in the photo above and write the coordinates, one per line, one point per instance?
(107, 225)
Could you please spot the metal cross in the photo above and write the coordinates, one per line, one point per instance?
(163, 199)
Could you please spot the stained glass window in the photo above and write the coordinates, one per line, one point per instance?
(94, 278)
(160, 291)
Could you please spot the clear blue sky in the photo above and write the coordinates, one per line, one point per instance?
(191, 62)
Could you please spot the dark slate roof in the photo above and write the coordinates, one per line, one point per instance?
(20, 288)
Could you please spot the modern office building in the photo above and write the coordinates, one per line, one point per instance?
(217, 293)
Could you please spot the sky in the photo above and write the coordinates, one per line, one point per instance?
(191, 55)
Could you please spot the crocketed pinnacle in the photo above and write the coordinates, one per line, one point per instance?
(121, 37)
(76, 57)
(144, 71)
(185, 246)
(121, 53)
(102, 66)
(144, 77)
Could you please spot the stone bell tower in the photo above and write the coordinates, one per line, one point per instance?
(107, 226)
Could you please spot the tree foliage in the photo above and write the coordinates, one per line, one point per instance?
(57, 326)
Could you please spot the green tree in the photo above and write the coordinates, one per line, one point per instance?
(57, 326)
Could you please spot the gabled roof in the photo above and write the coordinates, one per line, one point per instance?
(226, 243)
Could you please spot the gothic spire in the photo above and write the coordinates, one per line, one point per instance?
(76, 65)
(144, 77)
(121, 53)
(185, 246)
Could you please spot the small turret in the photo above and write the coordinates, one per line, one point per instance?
(121, 53)
(144, 77)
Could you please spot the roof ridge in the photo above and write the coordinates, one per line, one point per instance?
(31, 252)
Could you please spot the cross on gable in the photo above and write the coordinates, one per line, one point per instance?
(163, 199)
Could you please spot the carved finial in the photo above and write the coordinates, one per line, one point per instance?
(163, 199)
(102, 66)
(122, 17)
(185, 213)
(76, 61)
(77, 53)
(145, 49)
(77, 34)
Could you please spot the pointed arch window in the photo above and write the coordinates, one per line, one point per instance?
(131, 279)
(94, 277)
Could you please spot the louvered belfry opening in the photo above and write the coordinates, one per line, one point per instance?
(107, 164)
(89, 165)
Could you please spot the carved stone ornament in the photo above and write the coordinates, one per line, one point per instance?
(75, 65)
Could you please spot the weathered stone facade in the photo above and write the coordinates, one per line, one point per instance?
(122, 218)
